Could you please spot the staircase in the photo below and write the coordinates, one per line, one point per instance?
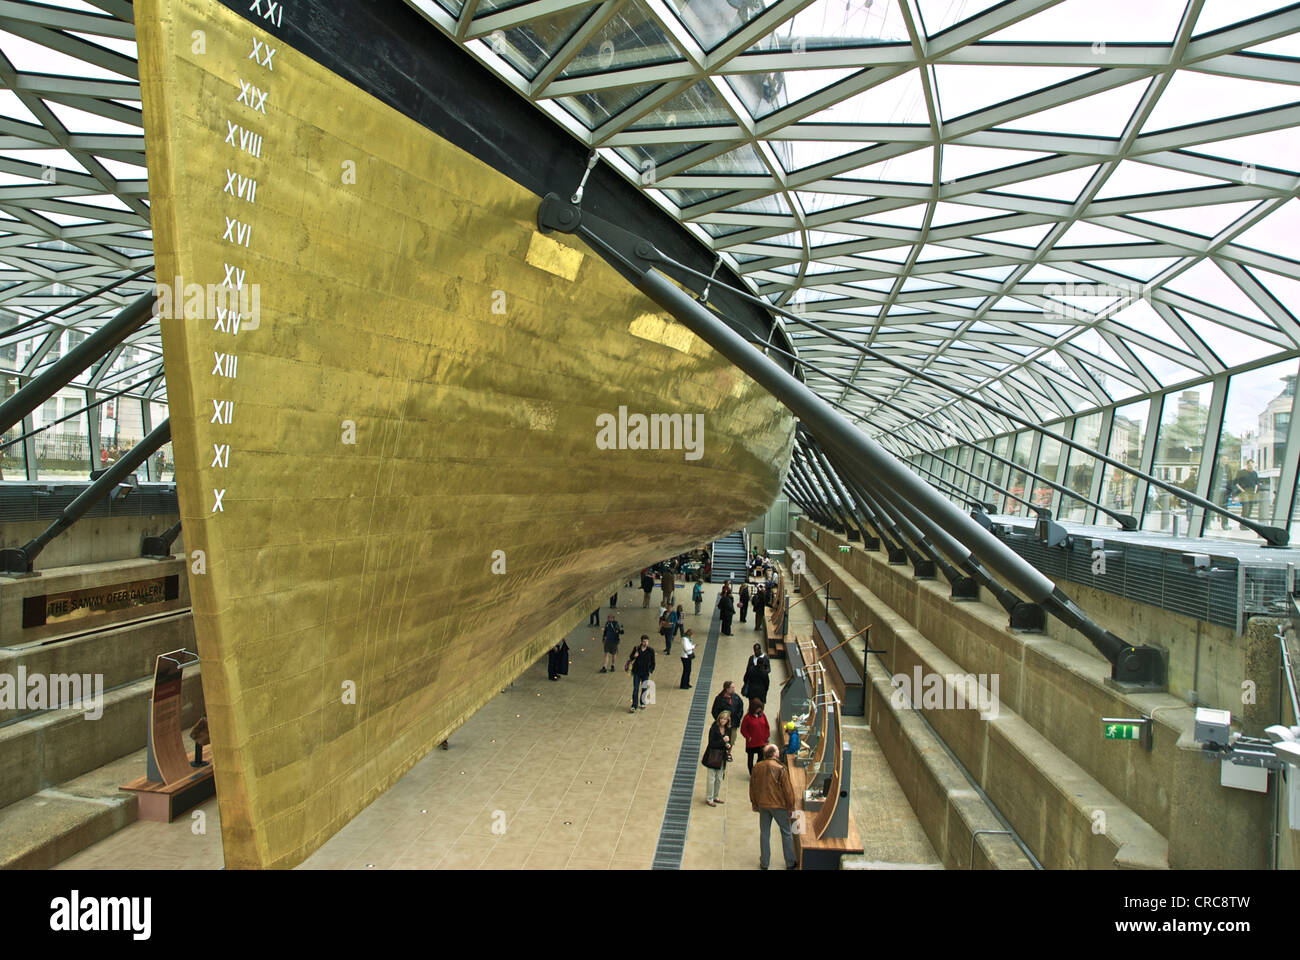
(728, 555)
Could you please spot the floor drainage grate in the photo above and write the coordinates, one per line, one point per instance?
(677, 812)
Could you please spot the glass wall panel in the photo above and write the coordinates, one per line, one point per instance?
(1178, 456)
(63, 447)
(1252, 447)
(13, 464)
(980, 466)
(997, 469)
(1049, 466)
(163, 463)
(1018, 482)
(1127, 444)
(962, 476)
(1080, 467)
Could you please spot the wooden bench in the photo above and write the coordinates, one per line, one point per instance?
(819, 853)
(845, 679)
(164, 803)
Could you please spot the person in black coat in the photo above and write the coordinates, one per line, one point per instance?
(728, 608)
(719, 746)
(744, 600)
(641, 664)
(758, 672)
(760, 602)
(729, 701)
(557, 661)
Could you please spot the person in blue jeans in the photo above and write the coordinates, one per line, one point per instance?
(771, 796)
(641, 664)
(697, 594)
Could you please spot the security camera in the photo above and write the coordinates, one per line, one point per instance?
(1213, 727)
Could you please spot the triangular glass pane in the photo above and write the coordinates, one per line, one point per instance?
(1207, 283)
(1065, 186)
(631, 38)
(593, 109)
(796, 155)
(1134, 179)
(966, 88)
(1101, 115)
(1114, 21)
(1194, 97)
(765, 93)
(898, 100)
(914, 167)
(710, 22)
(530, 46)
(1221, 13)
(1285, 290)
(950, 213)
(1021, 236)
(742, 160)
(1276, 233)
(697, 106)
(1279, 149)
(1144, 269)
(1205, 220)
(911, 217)
(1232, 346)
(962, 161)
(1089, 234)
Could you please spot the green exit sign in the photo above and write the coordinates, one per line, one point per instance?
(845, 548)
(1123, 731)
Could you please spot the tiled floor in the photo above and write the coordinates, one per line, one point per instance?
(559, 775)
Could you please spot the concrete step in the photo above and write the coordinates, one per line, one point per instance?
(1062, 812)
(51, 825)
(55, 746)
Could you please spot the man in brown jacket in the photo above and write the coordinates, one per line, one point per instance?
(772, 797)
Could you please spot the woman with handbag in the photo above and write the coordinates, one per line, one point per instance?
(716, 756)
(688, 654)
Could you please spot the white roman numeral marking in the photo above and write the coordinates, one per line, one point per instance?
(262, 54)
(251, 97)
(227, 321)
(223, 411)
(226, 365)
(237, 232)
(221, 455)
(238, 185)
(217, 495)
(235, 274)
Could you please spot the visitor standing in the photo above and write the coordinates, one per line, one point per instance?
(667, 620)
(668, 585)
(641, 664)
(771, 795)
(1248, 483)
(760, 603)
(758, 675)
(697, 594)
(613, 631)
(727, 608)
(744, 600)
(716, 756)
(730, 701)
(557, 661)
(688, 654)
(756, 731)
(647, 585)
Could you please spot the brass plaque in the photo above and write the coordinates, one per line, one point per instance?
(81, 604)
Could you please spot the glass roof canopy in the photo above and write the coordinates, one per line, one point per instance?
(1062, 205)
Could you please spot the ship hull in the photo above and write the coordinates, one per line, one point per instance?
(396, 474)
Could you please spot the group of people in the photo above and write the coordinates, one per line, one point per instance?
(760, 596)
(771, 794)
